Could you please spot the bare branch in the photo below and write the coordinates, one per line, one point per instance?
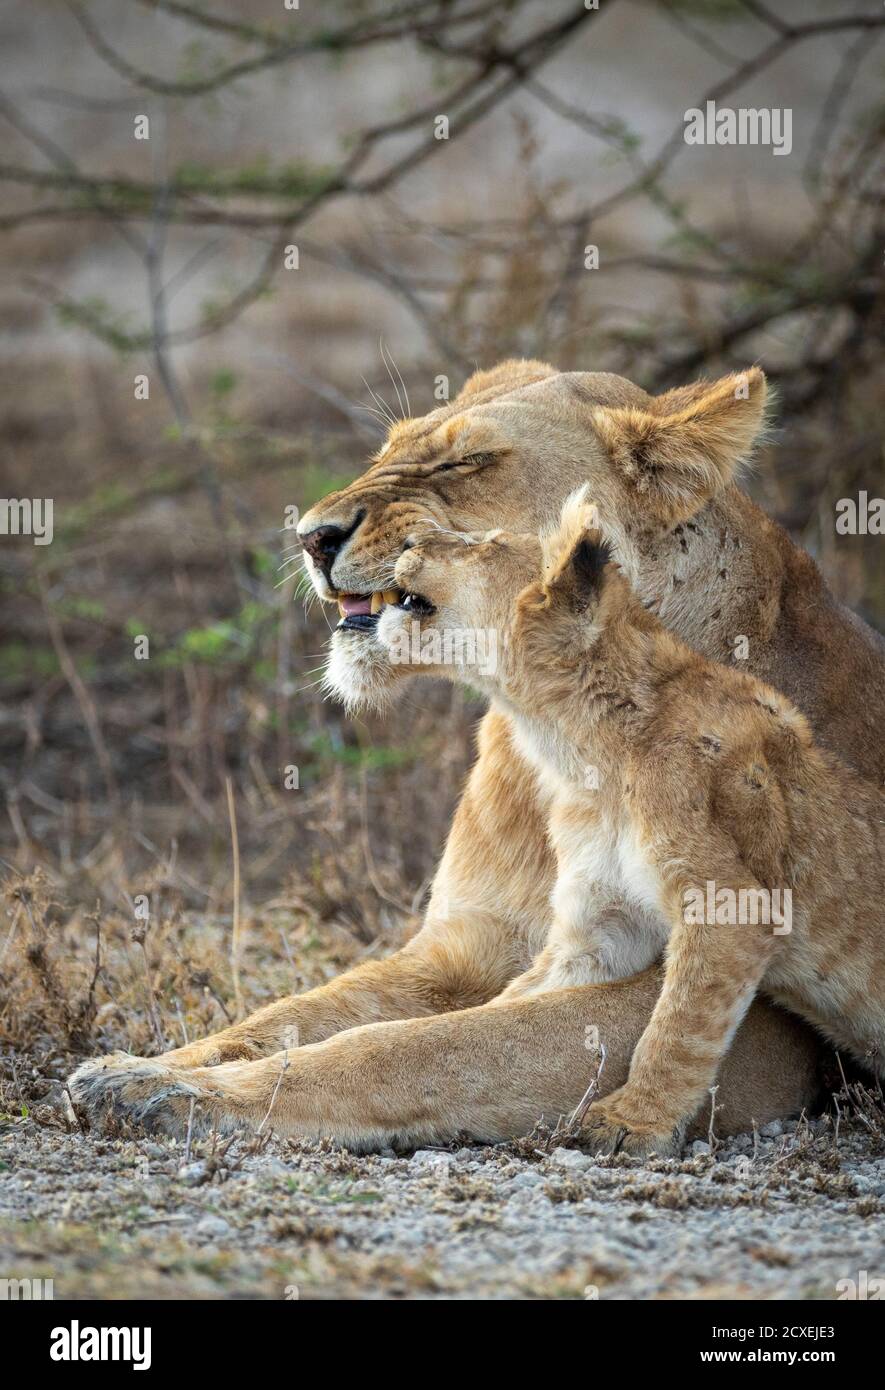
(399, 23)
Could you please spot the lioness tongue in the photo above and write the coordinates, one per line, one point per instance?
(353, 604)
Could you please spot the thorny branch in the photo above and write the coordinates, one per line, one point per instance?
(484, 65)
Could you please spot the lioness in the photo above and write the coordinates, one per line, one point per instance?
(688, 792)
(507, 451)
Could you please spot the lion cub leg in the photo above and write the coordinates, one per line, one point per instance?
(711, 977)
(595, 938)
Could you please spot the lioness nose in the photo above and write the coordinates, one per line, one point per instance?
(323, 543)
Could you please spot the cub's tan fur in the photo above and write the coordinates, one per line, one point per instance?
(435, 1058)
(707, 788)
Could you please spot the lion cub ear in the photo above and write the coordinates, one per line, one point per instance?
(575, 553)
(683, 449)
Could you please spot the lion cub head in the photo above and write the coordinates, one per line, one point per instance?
(514, 614)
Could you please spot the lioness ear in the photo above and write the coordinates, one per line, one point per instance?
(507, 376)
(687, 445)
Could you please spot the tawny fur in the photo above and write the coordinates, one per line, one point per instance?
(716, 569)
(707, 788)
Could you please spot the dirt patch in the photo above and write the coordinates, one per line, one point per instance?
(772, 1216)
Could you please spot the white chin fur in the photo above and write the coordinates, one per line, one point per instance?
(358, 673)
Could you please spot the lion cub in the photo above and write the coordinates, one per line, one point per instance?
(689, 806)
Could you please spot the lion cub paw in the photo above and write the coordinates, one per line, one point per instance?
(614, 1126)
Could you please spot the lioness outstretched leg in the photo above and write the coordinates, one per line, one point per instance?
(429, 976)
(486, 919)
(488, 1073)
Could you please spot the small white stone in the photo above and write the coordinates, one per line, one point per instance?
(570, 1158)
(212, 1227)
(193, 1173)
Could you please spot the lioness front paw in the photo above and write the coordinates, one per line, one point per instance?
(615, 1126)
(139, 1089)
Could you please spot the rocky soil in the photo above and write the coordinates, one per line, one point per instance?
(787, 1213)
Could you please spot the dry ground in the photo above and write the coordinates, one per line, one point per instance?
(785, 1216)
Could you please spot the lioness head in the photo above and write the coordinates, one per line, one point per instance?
(507, 452)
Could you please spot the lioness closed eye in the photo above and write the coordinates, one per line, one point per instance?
(691, 793)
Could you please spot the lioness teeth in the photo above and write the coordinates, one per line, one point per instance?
(386, 596)
(377, 601)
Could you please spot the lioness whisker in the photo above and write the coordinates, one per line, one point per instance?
(444, 530)
(387, 358)
(381, 403)
(375, 413)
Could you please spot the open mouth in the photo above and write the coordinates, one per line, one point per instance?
(360, 612)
